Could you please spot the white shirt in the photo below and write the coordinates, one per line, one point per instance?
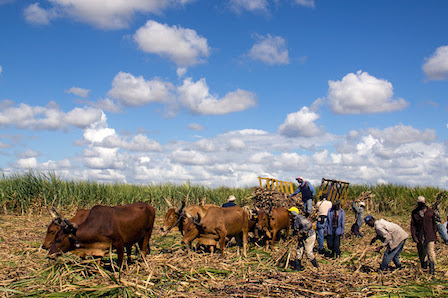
(391, 232)
(323, 207)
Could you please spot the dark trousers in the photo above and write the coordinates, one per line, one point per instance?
(392, 255)
(355, 230)
(320, 232)
(334, 243)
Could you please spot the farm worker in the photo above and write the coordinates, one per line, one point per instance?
(308, 194)
(322, 210)
(306, 236)
(359, 216)
(441, 227)
(230, 202)
(423, 229)
(334, 228)
(393, 237)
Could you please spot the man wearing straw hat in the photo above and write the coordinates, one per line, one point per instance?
(230, 202)
(393, 237)
(307, 237)
(423, 230)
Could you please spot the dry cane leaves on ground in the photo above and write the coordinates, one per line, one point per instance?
(170, 271)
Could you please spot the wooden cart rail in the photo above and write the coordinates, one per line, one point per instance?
(335, 190)
(282, 186)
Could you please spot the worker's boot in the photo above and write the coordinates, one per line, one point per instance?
(314, 262)
(424, 265)
(431, 268)
(298, 265)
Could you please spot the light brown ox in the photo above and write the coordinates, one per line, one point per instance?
(177, 217)
(273, 222)
(216, 225)
(53, 227)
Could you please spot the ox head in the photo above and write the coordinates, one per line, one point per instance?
(53, 228)
(173, 216)
(192, 229)
(51, 233)
(263, 218)
(64, 239)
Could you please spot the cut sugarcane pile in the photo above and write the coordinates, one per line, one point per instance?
(265, 198)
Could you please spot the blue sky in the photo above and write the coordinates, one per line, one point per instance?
(222, 92)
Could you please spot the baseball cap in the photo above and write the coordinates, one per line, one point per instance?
(367, 218)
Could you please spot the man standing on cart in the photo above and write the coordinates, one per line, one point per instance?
(308, 194)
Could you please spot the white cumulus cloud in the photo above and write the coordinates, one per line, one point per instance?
(183, 46)
(78, 91)
(300, 123)
(270, 49)
(133, 91)
(402, 134)
(307, 3)
(190, 157)
(105, 14)
(50, 117)
(138, 143)
(83, 117)
(249, 5)
(34, 14)
(362, 93)
(195, 126)
(436, 66)
(27, 163)
(196, 97)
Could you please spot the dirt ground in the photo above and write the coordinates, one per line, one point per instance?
(170, 271)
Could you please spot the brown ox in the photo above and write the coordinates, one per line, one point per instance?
(216, 225)
(118, 227)
(177, 217)
(273, 222)
(53, 228)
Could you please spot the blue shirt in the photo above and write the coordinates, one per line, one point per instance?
(329, 222)
(307, 191)
(228, 204)
(359, 212)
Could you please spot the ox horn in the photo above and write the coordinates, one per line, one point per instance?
(167, 202)
(54, 214)
(57, 218)
(182, 206)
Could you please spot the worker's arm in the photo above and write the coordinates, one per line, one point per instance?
(374, 239)
(414, 229)
(296, 192)
(383, 232)
(355, 207)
